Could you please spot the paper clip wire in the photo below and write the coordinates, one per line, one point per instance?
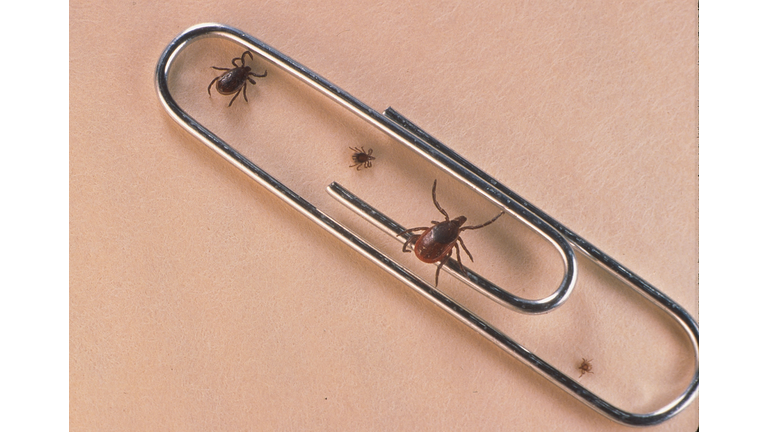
(407, 133)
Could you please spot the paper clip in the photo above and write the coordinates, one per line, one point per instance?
(407, 133)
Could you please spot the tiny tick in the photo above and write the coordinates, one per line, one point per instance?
(436, 243)
(236, 79)
(585, 367)
(361, 159)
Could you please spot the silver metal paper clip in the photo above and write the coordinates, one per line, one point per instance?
(410, 135)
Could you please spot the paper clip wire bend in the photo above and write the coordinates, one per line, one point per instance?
(410, 135)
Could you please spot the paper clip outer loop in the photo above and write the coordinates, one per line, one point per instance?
(459, 169)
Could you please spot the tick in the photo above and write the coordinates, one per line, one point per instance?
(236, 79)
(437, 242)
(361, 159)
(585, 367)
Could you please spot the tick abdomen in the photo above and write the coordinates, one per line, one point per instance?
(435, 243)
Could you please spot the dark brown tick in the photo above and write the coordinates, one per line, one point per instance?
(585, 367)
(361, 159)
(236, 79)
(437, 242)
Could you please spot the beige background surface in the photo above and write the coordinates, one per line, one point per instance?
(199, 301)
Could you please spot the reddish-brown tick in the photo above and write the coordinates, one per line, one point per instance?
(437, 242)
(361, 159)
(236, 79)
(585, 367)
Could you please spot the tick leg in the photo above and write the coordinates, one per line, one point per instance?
(485, 224)
(412, 239)
(461, 242)
(437, 273)
(218, 68)
(434, 200)
(458, 259)
(245, 88)
(412, 230)
(233, 99)
(408, 243)
(439, 266)
(242, 59)
(209, 85)
(258, 76)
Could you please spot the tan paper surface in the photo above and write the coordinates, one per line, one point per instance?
(200, 302)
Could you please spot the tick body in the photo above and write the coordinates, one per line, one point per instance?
(585, 367)
(436, 243)
(236, 79)
(361, 159)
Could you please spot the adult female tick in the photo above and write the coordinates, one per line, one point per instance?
(236, 79)
(437, 242)
(361, 159)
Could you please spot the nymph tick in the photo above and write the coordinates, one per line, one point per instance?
(361, 159)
